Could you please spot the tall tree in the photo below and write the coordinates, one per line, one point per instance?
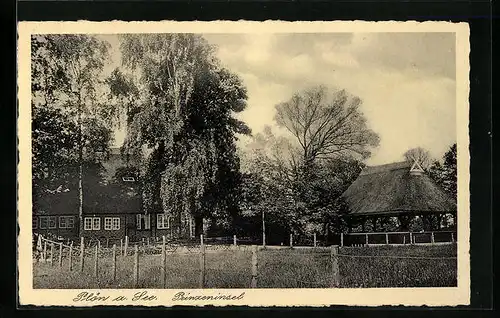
(445, 172)
(420, 155)
(326, 124)
(66, 78)
(329, 130)
(186, 119)
(125, 93)
(294, 202)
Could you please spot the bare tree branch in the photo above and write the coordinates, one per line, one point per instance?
(326, 123)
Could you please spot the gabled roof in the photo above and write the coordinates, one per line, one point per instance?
(392, 189)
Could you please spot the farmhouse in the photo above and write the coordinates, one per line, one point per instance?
(112, 207)
(401, 191)
(55, 212)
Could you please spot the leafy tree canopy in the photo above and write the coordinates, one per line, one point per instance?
(185, 117)
(445, 172)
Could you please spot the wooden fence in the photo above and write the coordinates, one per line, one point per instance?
(48, 251)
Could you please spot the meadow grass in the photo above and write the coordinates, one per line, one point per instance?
(277, 268)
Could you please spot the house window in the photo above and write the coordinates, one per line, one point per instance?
(66, 222)
(34, 223)
(116, 223)
(107, 224)
(52, 222)
(44, 222)
(88, 224)
(96, 223)
(111, 223)
(143, 222)
(128, 179)
(70, 222)
(92, 224)
(162, 221)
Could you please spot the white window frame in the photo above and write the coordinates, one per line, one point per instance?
(147, 221)
(34, 222)
(108, 224)
(96, 224)
(162, 221)
(111, 224)
(52, 220)
(88, 224)
(115, 224)
(46, 219)
(92, 224)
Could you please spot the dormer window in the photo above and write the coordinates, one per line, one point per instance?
(128, 179)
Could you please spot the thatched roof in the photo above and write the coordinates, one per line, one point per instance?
(391, 189)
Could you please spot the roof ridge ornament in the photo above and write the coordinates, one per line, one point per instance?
(416, 168)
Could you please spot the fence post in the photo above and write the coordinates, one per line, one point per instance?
(201, 240)
(121, 247)
(335, 266)
(60, 254)
(126, 246)
(136, 266)
(147, 241)
(82, 252)
(70, 260)
(366, 239)
(386, 238)
(52, 254)
(404, 239)
(432, 237)
(234, 240)
(107, 242)
(114, 262)
(341, 239)
(314, 238)
(291, 240)
(254, 267)
(202, 265)
(164, 262)
(96, 257)
(44, 255)
(411, 238)
(452, 238)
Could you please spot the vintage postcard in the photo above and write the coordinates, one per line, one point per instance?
(243, 163)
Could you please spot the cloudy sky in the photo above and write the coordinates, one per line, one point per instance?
(406, 80)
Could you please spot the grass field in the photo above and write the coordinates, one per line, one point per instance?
(374, 266)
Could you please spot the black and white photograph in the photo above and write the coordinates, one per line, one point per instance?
(206, 160)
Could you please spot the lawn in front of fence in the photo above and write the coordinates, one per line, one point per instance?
(368, 266)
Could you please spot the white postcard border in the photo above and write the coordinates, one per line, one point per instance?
(459, 295)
